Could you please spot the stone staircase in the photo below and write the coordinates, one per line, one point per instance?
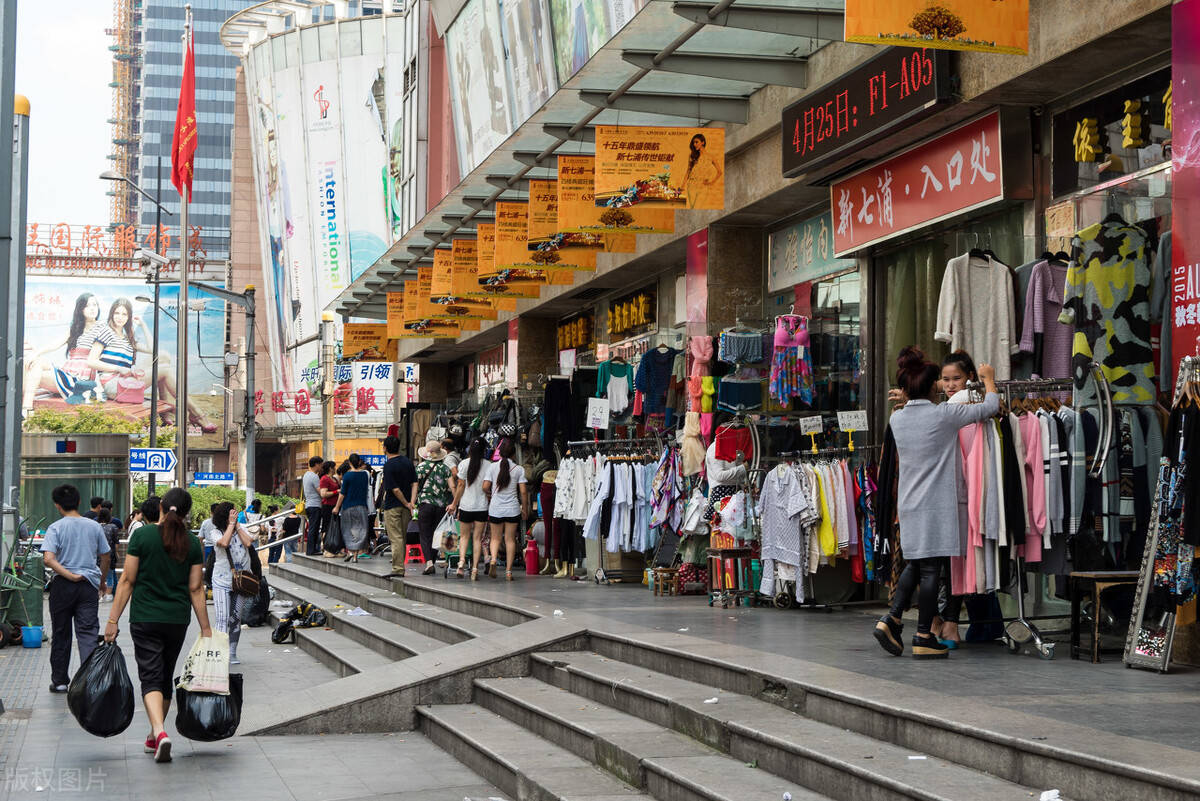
(549, 709)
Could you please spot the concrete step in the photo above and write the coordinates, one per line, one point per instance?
(336, 651)
(440, 624)
(389, 639)
(520, 763)
(367, 571)
(437, 589)
(835, 762)
(668, 764)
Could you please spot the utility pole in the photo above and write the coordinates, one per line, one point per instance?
(154, 351)
(328, 384)
(14, 123)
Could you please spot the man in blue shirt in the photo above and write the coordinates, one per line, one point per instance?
(77, 551)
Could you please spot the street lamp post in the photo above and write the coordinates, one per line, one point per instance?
(109, 175)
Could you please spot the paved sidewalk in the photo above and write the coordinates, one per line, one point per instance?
(44, 754)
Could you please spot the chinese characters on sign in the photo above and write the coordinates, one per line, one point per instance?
(954, 173)
(1185, 188)
(95, 250)
(803, 252)
(894, 87)
(660, 166)
(367, 342)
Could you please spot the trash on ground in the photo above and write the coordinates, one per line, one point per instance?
(712, 700)
(918, 757)
(358, 611)
(558, 613)
(1050, 795)
(685, 628)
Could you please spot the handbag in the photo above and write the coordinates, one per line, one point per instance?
(130, 390)
(693, 515)
(243, 582)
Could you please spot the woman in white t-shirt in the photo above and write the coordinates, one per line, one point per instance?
(507, 507)
(470, 505)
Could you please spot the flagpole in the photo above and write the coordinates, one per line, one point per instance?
(181, 312)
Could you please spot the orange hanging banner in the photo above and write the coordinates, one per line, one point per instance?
(367, 342)
(395, 314)
(995, 26)
(677, 168)
(453, 279)
(547, 246)
(513, 273)
(578, 212)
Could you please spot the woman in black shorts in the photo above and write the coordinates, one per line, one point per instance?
(471, 505)
(164, 576)
(508, 505)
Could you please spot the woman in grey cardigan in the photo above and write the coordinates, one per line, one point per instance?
(931, 500)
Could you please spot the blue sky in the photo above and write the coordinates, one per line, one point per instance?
(63, 67)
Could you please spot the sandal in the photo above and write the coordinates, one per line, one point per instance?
(508, 575)
(474, 575)
(491, 569)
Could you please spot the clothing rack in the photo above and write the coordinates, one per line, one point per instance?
(607, 572)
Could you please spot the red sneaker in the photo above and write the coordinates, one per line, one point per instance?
(150, 746)
(162, 748)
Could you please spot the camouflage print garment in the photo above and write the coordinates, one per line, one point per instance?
(1107, 299)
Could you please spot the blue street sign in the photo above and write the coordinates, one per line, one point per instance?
(152, 460)
(373, 460)
(213, 478)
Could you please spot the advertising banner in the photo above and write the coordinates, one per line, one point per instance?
(995, 26)
(368, 342)
(88, 345)
(326, 180)
(660, 166)
(292, 246)
(528, 42)
(954, 173)
(513, 272)
(1185, 189)
(803, 252)
(578, 212)
(581, 27)
(478, 83)
(395, 314)
(548, 247)
(504, 298)
(453, 278)
(401, 144)
(366, 157)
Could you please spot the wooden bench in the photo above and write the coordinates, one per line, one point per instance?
(1099, 581)
(666, 581)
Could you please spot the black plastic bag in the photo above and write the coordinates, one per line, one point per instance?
(284, 633)
(255, 613)
(101, 694)
(208, 716)
(333, 537)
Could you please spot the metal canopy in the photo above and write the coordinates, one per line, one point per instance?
(689, 62)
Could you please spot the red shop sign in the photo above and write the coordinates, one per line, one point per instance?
(959, 171)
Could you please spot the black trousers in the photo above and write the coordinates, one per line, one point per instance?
(313, 532)
(74, 603)
(923, 572)
(428, 517)
(557, 422)
(326, 521)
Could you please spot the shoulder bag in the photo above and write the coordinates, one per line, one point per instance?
(244, 582)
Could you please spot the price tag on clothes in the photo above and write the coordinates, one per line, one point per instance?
(853, 421)
(811, 425)
(566, 361)
(597, 413)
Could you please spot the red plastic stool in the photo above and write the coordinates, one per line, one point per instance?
(414, 554)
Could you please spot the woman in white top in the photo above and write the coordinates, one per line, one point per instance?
(470, 506)
(507, 507)
(231, 542)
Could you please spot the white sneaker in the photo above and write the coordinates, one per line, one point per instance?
(233, 660)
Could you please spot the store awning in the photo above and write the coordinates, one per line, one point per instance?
(690, 62)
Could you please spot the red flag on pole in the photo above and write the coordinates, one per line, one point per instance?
(183, 144)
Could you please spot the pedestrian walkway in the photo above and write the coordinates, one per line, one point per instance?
(44, 754)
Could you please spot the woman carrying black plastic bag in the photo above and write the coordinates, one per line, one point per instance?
(164, 575)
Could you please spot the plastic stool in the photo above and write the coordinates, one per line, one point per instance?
(414, 554)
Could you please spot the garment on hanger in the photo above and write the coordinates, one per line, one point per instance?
(791, 361)
(1043, 336)
(1107, 300)
(1161, 305)
(987, 331)
(653, 378)
(616, 384)
(730, 440)
(691, 447)
(740, 347)
(557, 423)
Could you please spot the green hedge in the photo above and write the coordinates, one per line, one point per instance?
(204, 497)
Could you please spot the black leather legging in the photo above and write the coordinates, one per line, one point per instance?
(924, 572)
